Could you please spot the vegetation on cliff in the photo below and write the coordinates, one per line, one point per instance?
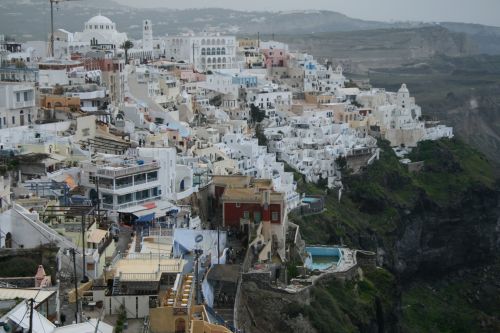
(426, 227)
(351, 306)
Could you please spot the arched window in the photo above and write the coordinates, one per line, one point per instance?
(209, 60)
(219, 60)
(224, 60)
(218, 41)
(213, 41)
(208, 51)
(203, 51)
(213, 51)
(218, 51)
(223, 51)
(203, 42)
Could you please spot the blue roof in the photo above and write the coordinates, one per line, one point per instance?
(146, 218)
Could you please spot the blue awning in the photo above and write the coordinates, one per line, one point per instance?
(146, 218)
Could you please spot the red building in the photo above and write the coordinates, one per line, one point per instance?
(247, 200)
(252, 205)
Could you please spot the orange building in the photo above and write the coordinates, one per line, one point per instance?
(61, 103)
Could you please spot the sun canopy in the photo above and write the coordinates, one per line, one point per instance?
(144, 218)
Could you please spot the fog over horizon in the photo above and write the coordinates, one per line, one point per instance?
(467, 11)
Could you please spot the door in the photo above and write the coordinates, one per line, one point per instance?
(256, 216)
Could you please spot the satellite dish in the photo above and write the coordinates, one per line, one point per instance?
(198, 238)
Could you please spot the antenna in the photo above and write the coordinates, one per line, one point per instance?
(51, 46)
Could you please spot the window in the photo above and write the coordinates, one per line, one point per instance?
(246, 214)
(13, 120)
(18, 97)
(25, 96)
(238, 204)
(274, 216)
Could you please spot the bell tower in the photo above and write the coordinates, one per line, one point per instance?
(147, 35)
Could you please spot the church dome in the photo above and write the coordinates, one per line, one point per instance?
(99, 19)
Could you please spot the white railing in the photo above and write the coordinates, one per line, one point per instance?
(126, 170)
(130, 204)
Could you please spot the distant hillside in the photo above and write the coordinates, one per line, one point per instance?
(362, 50)
(487, 38)
(30, 19)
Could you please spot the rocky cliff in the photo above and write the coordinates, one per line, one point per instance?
(426, 227)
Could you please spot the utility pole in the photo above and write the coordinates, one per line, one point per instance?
(85, 279)
(98, 199)
(31, 300)
(218, 242)
(194, 62)
(76, 284)
(52, 28)
(197, 253)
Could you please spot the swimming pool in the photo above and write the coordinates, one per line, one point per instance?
(310, 200)
(322, 258)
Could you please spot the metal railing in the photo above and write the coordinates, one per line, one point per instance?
(127, 170)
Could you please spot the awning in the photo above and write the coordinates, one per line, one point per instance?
(145, 218)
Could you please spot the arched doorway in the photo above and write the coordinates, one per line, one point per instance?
(8, 240)
(180, 325)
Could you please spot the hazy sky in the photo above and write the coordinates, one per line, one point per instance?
(475, 11)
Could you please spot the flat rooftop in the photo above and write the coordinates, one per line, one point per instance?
(37, 294)
(147, 267)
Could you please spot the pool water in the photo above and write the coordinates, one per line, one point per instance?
(322, 258)
(310, 200)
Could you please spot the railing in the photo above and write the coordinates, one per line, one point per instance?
(129, 204)
(127, 170)
(25, 104)
(138, 276)
(170, 268)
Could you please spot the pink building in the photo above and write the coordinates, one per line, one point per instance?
(275, 57)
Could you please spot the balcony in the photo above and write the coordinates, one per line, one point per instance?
(183, 194)
(123, 170)
(130, 204)
(25, 104)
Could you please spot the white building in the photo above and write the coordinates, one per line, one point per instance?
(205, 51)
(17, 104)
(99, 31)
(123, 182)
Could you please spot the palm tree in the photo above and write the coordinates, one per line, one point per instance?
(127, 45)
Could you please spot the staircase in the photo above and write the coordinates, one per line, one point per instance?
(116, 285)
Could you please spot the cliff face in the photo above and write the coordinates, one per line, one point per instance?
(426, 228)
(433, 240)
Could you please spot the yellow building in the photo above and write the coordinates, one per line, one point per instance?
(177, 312)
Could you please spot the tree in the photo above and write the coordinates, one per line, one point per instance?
(256, 114)
(127, 45)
